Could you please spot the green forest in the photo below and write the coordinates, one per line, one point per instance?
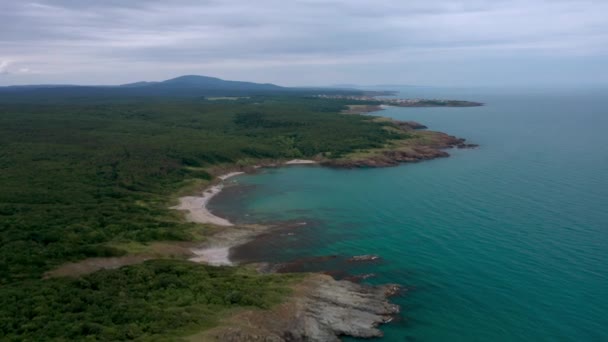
(79, 178)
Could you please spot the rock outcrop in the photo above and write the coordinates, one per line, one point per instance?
(321, 309)
(360, 277)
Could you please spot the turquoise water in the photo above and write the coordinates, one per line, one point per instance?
(507, 242)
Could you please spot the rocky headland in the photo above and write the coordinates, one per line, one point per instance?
(319, 309)
(417, 144)
(429, 146)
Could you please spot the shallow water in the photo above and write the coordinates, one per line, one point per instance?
(505, 242)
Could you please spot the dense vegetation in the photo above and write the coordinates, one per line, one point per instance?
(145, 302)
(78, 178)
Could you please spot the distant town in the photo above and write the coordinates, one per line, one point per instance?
(405, 102)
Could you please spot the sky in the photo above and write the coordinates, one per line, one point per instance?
(306, 42)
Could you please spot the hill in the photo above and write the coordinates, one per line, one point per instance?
(205, 82)
(182, 86)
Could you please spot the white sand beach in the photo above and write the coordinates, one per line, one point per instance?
(231, 174)
(300, 161)
(217, 249)
(197, 207)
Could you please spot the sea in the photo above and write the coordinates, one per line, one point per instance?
(505, 242)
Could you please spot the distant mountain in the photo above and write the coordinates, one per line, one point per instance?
(182, 86)
(206, 82)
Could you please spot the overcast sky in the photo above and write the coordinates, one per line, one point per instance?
(306, 42)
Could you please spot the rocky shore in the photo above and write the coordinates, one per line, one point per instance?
(320, 309)
(417, 145)
(409, 154)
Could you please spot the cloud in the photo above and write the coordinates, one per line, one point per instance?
(7, 67)
(158, 38)
(4, 67)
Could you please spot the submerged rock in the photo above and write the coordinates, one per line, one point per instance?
(366, 257)
(463, 145)
(391, 290)
(302, 264)
(359, 277)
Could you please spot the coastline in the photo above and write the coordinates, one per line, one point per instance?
(321, 307)
(398, 102)
(341, 307)
(420, 144)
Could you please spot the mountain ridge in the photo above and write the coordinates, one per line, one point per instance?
(181, 86)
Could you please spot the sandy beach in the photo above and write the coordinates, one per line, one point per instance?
(231, 174)
(216, 250)
(300, 162)
(196, 206)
